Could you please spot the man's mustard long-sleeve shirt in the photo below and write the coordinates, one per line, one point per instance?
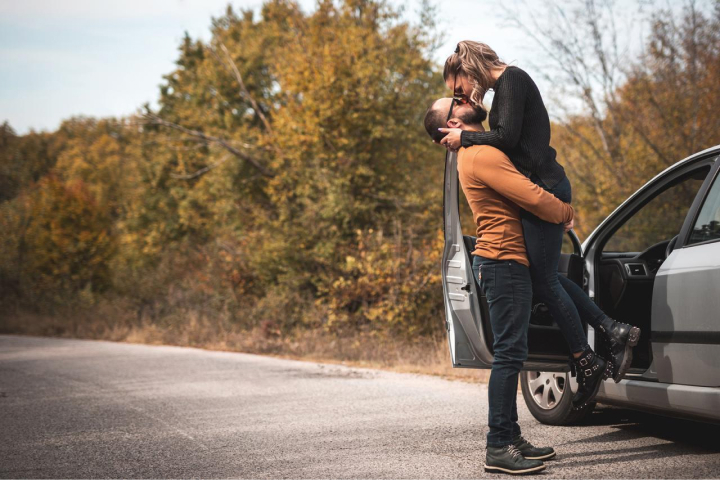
(496, 191)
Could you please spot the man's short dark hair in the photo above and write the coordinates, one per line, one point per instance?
(435, 119)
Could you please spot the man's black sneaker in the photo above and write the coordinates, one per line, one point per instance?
(530, 451)
(508, 459)
(622, 338)
(590, 370)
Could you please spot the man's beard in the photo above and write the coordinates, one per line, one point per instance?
(474, 117)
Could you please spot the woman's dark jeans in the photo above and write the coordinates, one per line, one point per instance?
(567, 302)
(508, 288)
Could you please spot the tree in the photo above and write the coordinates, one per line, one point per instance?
(636, 115)
(288, 134)
(58, 242)
(25, 159)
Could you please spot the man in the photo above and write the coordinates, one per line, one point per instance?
(496, 191)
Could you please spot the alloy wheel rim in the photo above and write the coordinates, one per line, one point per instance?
(547, 388)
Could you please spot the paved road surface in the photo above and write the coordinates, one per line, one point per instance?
(79, 409)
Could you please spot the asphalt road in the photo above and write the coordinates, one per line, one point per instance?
(80, 409)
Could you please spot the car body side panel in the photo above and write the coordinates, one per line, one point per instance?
(677, 400)
(686, 317)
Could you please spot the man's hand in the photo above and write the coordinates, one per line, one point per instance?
(452, 139)
(569, 225)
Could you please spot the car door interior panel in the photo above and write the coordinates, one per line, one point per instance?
(463, 320)
(544, 336)
(626, 286)
(466, 310)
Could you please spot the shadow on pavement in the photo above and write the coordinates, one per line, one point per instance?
(619, 446)
(632, 424)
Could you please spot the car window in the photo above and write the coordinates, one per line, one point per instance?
(661, 218)
(707, 225)
(567, 245)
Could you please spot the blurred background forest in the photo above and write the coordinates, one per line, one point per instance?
(284, 197)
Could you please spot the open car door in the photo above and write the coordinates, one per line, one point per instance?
(463, 320)
(466, 313)
(645, 269)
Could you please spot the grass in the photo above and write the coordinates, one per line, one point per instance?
(428, 356)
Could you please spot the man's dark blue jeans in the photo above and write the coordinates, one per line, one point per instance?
(508, 288)
(567, 302)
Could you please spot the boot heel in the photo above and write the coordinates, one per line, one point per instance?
(634, 336)
(627, 361)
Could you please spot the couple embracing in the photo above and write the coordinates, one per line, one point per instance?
(520, 199)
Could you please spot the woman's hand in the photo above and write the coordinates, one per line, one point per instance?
(452, 139)
(569, 225)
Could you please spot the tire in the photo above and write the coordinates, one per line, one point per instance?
(548, 396)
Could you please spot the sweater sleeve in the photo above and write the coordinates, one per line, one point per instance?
(495, 170)
(510, 104)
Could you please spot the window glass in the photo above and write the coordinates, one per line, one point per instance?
(661, 218)
(707, 226)
(567, 245)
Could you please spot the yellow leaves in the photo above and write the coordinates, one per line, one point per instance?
(62, 240)
(343, 234)
(382, 288)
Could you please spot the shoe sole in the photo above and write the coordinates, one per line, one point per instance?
(543, 457)
(633, 338)
(514, 472)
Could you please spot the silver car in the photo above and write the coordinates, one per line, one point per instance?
(654, 262)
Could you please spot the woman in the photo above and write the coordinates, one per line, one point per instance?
(520, 127)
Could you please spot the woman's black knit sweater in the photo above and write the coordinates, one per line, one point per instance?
(520, 127)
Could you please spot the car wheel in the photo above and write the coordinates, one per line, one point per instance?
(548, 396)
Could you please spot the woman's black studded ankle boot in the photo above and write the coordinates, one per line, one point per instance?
(590, 370)
(621, 338)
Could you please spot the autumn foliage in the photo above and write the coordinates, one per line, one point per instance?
(285, 183)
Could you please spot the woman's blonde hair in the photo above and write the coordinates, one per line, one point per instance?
(476, 61)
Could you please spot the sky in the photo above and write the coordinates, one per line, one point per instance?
(106, 58)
